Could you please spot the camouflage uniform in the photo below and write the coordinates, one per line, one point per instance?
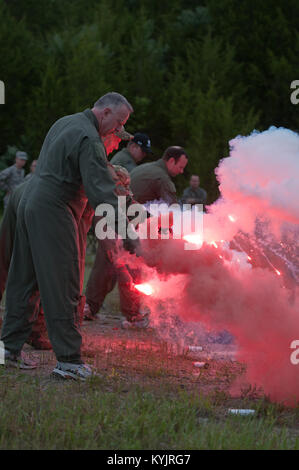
(10, 178)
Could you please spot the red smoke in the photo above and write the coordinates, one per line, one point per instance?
(251, 303)
(226, 289)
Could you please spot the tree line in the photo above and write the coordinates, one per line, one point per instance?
(197, 73)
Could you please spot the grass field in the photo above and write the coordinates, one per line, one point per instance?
(148, 395)
(108, 413)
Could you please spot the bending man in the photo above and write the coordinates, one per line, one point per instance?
(71, 169)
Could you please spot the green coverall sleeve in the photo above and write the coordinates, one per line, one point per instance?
(97, 181)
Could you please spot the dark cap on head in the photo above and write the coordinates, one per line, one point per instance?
(143, 141)
(21, 155)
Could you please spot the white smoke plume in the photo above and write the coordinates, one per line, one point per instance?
(260, 178)
(247, 282)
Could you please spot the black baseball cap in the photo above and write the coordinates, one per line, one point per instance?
(143, 141)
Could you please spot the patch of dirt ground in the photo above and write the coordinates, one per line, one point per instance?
(140, 356)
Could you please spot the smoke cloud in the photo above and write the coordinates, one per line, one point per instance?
(248, 282)
(260, 177)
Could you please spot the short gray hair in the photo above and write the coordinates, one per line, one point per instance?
(113, 99)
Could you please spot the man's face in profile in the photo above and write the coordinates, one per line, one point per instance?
(176, 167)
(114, 119)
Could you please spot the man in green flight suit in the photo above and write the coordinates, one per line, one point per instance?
(7, 233)
(135, 151)
(153, 181)
(98, 286)
(38, 338)
(71, 169)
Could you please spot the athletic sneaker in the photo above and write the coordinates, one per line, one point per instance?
(67, 370)
(20, 361)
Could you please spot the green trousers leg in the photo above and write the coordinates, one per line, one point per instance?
(84, 226)
(46, 253)
(21, 311)
(129, 298)
(102, 278)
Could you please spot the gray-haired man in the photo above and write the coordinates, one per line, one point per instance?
(71, 169)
